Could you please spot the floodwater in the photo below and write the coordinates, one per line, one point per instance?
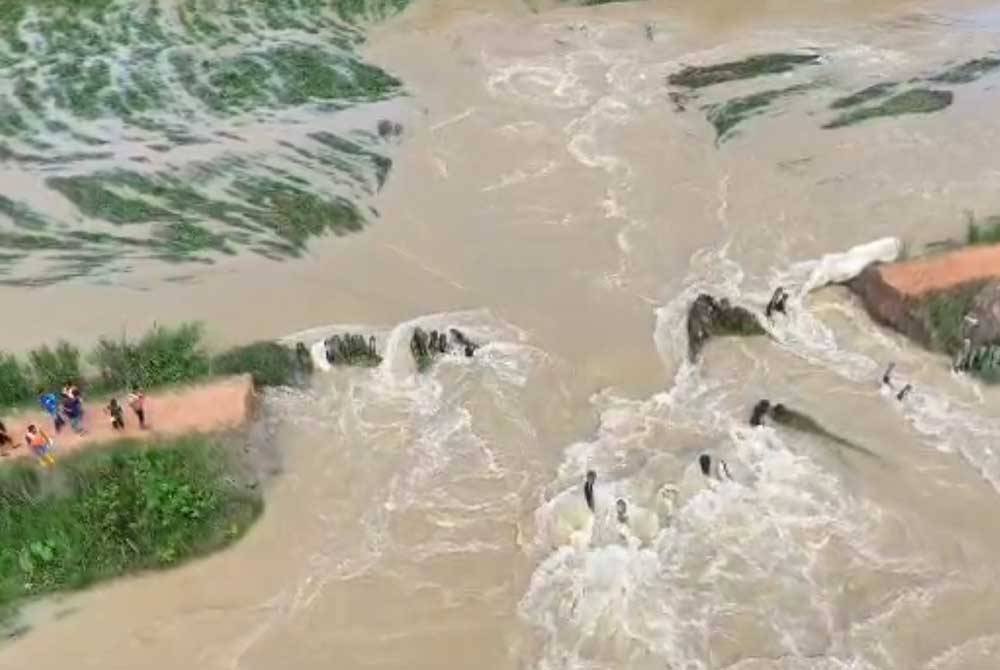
(550, 197)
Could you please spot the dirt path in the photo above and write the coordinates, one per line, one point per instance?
(216, 405)
(941, 272)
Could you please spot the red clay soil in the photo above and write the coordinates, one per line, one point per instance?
(944, 271)
(217, 405)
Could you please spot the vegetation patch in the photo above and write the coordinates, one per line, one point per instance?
(945, 313)
(968, 71)
(726, 116)
(914, 101)
(864, 96)
(270, 363)
(114, 511)
(987, 232)
(694, 77)
(156, 77)
(163, 356)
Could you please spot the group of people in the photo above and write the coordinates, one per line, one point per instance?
(67, 407)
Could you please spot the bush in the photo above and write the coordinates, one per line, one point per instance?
(162, 356)
(987, 232)
(114, 511)
(270, 363)
(52, 368)
(945, 314)
(15, 383)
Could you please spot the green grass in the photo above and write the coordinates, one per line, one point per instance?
(914, 101)
(164, 356)
(945, 313)
(726, 116)
(748, 68)
(108, 512)
(270, 364)
(53, 367)
(15, 381)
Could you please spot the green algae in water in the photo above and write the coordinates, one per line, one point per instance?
(748, 68)
(726, 116)
(967, 72)
(914, 101)
(864, 96)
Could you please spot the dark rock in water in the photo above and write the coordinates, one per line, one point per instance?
(352, 349)
(468, 346)
(420, 349)
(779, 300)
(708, 317)
(790, 418)
(387, 129)
(425, 348)
(759, 412)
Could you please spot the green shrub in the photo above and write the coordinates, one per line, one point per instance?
(113, 511)
(987, 232)
(51, 368)
(163, 356)
(945, 315)
(270, 363)
(15, 383)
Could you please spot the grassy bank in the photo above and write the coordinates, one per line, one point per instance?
(163, 356)
(110, 512)
(945, 314)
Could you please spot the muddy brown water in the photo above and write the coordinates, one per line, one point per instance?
(550, 201)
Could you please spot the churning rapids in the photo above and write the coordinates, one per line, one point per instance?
(558, 201)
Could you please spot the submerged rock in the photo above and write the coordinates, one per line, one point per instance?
(708, 317)
(387, 129)
(789, 418)
(425, 348)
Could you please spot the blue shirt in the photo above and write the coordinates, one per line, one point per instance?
(50, 403)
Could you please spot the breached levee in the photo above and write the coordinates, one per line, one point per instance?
(947, 302)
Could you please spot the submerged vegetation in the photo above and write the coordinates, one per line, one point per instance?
(163, 356)
(882, 99)
(747, 68)
(968, 71)
(726, 116)
(865, 95)
(114, 511)
(175, 90)
(914, 101)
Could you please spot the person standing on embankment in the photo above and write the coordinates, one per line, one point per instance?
(41, 444)
(137, 401)
(50, 403)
